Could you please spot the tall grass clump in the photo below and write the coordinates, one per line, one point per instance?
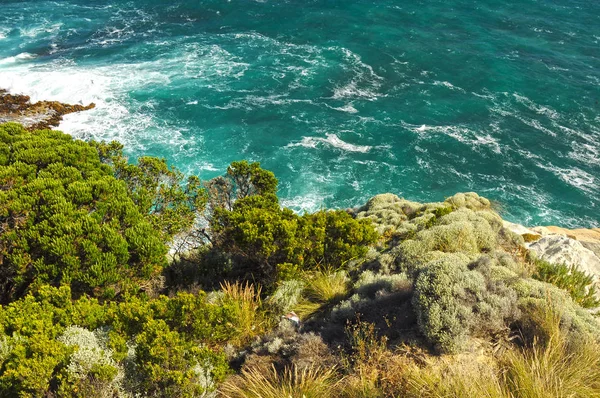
(293, 382)
(554, 365)
(322, 288)
(453, 378)
(245, 303)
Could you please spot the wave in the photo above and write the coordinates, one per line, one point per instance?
(22, 57)
(39, 30)
(331, 140)
(448, 85)
(462, 134)
(348, 108)
(573, 176)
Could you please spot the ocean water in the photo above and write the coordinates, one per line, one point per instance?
(342, 100)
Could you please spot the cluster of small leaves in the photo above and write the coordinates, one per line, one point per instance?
(44, 353)
(76, 213)
(454, 299)
(580, 285)
(262, 236)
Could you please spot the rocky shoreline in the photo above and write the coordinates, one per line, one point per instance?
(579, 247)
(35, 116)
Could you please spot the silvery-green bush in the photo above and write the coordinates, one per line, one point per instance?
(454, 302)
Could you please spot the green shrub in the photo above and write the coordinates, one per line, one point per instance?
(69, 218)
(167, 365)
(461, 231)
(580, 285)
(453, 302)
(286, 296)
(264, 238)
(575, 320)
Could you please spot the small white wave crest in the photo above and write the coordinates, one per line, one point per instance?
(332, 140)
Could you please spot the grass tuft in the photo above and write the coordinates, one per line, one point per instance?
(244, 300)
(293, 382)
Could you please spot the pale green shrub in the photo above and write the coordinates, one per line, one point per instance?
(461, 231)
(88, 354)
(388, 212)
(370, 284)
(453, 302)
(91, 364)
(574, 319)
(470, 200)
(286, 296)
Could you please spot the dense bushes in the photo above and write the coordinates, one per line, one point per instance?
(261, 236)
(66, 217)
(380, 290)
(54, 344)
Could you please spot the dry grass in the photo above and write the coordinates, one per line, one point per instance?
(322, 288)
(453, 377)
(308, 382)
(553, 366)
(550, 366)
(244, 300)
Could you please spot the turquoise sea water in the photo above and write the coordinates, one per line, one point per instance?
(341, 99)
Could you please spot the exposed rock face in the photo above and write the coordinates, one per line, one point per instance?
(589, 238)
(34, 116)
(578, 247)
(560, 249)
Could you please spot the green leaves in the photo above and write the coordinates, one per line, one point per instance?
(261, 235)
(79, 213)
(579, 284)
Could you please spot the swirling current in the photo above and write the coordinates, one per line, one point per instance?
(342, 100)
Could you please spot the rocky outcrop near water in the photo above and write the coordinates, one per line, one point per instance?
(577, 247)
(35, 116)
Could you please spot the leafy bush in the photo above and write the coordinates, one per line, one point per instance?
(580, 285)
(69, 218)
(167, 365)
(262, 236)
(47, 345)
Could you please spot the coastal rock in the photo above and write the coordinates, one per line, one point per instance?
(35, 116)
(589, 238)
(528, 234)
(560, 249)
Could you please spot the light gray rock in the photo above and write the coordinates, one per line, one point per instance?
(519, 229)
(561, 249)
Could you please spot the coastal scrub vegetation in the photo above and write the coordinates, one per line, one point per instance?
(125, 279)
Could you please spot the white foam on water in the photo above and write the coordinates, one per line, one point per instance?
(540, 109)
(38, 30)
(304, 203)
(573, 176)
(331, 140)
(459, 133)
(364, 84)
(117, 116)
(448, 85)
(585, 153)
(22, 57)
(348, 108)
